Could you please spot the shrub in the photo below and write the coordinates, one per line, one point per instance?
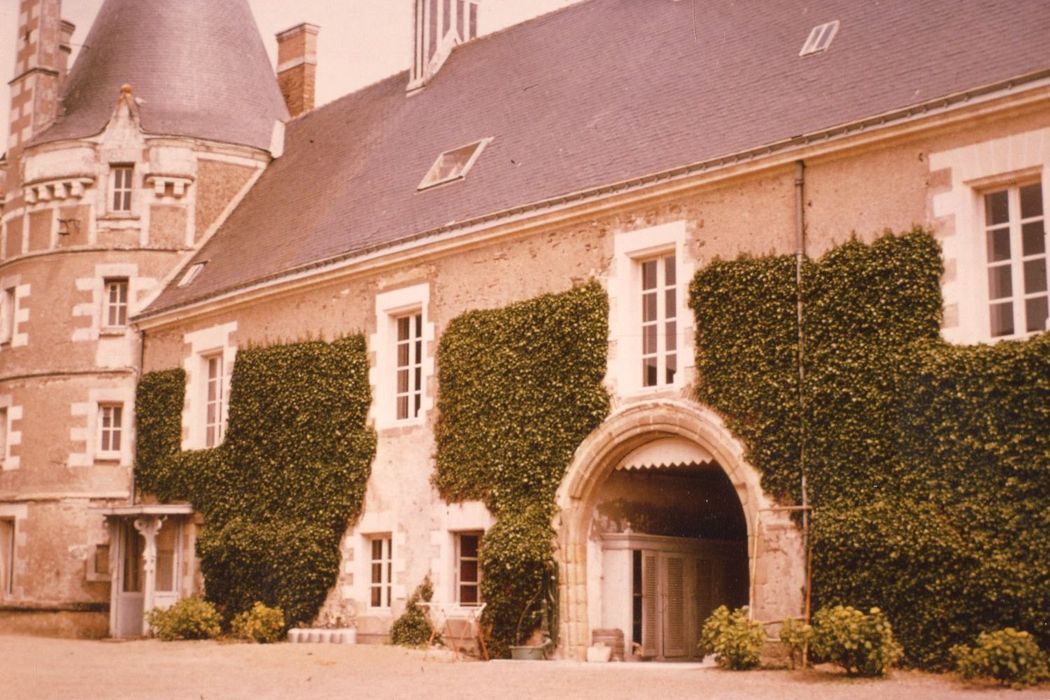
(796, 636)
(1009, 656)
(261, 624)
(734, 640)
(190, 618)
(412, 628)
(861, 644)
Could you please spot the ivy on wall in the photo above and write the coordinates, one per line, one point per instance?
(290, 476)
(928, 464)
(520, 388)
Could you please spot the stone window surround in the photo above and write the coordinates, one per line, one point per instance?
(386, 569)
(630, 249)
(469, 516)
(974, 170)
(359, 563)
(116, 431)
(16, 513)
(383, 345)
(90, 431)
(11, 413)
(13, 290)
(204, 343)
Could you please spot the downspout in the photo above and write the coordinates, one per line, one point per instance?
(800, 254)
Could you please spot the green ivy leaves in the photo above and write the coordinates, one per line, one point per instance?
(278, 494)
(520, 388)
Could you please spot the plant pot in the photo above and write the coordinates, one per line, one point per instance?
(528, 653)
(599, 653)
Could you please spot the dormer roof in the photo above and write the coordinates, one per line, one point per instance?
(197, 68)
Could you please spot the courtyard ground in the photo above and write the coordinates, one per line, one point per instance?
(33, 668)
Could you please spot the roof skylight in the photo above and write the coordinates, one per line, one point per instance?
(820, 38)
(453, 165)
(191, 273)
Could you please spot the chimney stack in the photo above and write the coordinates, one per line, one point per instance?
(39, 63)
(440, 26)
(65, 49)
(297, 67)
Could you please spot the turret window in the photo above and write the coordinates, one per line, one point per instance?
(121, 178)
(115, 306)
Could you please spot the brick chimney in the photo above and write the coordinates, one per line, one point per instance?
(40, 62)
(297, 66)
(65, 49)
(440, 26)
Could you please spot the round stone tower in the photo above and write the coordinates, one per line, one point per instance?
(113, 174)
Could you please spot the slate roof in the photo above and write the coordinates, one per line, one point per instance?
(596, 93)
(197, 67)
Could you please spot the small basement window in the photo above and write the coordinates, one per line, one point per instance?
(820, 38)
(453, 165)
(191, 273)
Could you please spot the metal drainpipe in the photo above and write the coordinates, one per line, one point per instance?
(800, 254)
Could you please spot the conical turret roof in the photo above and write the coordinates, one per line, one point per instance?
(197, 68)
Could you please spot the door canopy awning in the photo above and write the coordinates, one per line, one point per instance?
(666, 453)
(147, 509)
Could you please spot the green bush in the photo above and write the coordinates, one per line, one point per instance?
(261, 624)
(190, 618)
(796, 636)
(861, 644)
(735, 641)
(1011, 657)
(412, 629)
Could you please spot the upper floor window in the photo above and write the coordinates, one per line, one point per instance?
(468, 569)
(3, 436)
(409, 365)
(8, 303)
(115, 304)
(214, 400)
(381, 571)
(1015, 243)
(659, 326)
(121, 178)
(7, 556)
(110, 429)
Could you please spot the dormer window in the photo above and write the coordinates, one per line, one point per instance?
(453, 165)
(191, 273)
(120, 180)
(819, 38)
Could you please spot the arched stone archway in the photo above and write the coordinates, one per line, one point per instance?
(774, 543)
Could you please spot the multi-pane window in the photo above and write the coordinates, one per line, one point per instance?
(7, 556)
(468, 572)
(121, 189)
(381, 572)
(109, 427)
(214, 400)
(409, 366)
(1015, 241)
(659, 321)
(7, 314)
(115, 308)
(3, 435)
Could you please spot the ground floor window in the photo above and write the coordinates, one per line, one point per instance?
(468, 571)
(7, 556)
(381, 571)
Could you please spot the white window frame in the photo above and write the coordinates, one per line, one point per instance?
(203, 344)
(383, 586)
(106, 427)
(390, 307)
(121, 188)
(1017, 259)
(664, 323)
(120, 307)
(458, 559)
(408, 378)
(434, 176)
(631, 250)
(820, 38)
(214, 384)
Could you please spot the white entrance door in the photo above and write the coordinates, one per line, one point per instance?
(130, 581)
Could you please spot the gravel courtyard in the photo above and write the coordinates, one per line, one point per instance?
(34, 668)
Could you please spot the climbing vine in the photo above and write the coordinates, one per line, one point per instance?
(290, 476)
(520, 388)
(928, 464)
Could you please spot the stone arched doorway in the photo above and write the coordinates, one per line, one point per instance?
(766, 539)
